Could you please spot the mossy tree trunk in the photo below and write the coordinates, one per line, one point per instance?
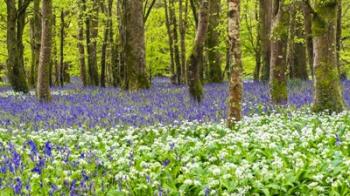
(43, 83)
(308, 37)
(328, 93)
(15, 27)
(91, 37)
(135, 46)
(265, 33)
(213, 42)
(278, 65)
(35, 34)
(236, 83)
(175, 36)
(341, 68)
(194, 61)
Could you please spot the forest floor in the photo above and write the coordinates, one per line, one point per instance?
(158, 141)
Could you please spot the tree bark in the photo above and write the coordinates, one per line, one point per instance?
(171, 42)
(62, 36)
(213, 42)
(279, 39)
(341, 69)
(81, 47)
(104, 47)
(183, 11)
(194, 80)
(266, 23)
(328, 94)
(91, 30)
(43, 85)
(135, 47)
(308, 37)
(236, 83)
(15, 28)
(175, 37)
(35, 28)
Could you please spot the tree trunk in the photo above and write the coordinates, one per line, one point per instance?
(341, 69)
(62, 36)
(15, 27)
(257, 51)
(308, 37)
(104, 47)
(54, 62)
(236, 84)
(171, 42)
(194, 80)
(91, 42)
(213, 42)
(266, 21)
(81, 46)
(183, 11)
(279, 39)
(135, 47)
(175, 41)
(328, 91)
(43, 85)
(35, 29)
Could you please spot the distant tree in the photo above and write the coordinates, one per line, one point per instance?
(296, 54)
(235, 83)
(328, 93)
(194, 60)
(16, 15)
(213, 42)
(43, 83)
(278, 64)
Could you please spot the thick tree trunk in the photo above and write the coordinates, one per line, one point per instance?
(81, 46)
(279, 39)
(328, 91)
(308, 37)
(43, 85)
(35, 31)
(266, 22)
(236, 83)
(194, 80)
(135, 47)
(213, 42)
(15, 27)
